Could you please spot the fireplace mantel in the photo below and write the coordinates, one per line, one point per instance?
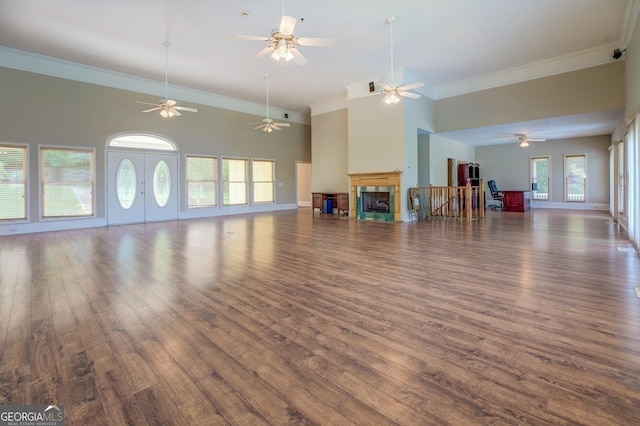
(374, 179)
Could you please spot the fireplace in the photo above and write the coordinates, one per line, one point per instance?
(374, 196)
(375, 203)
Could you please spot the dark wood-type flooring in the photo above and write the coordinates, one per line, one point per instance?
(294, 318)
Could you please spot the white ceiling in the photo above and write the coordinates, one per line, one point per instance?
(451, 45)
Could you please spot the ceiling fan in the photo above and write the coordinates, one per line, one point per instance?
(268, 125)
(524, 140)
(167, 107)
(392, 91)
(283, 44)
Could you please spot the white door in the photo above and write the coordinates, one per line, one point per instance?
(141, 187)
(161, 182)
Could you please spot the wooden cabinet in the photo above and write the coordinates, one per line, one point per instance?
(516, 201)
(338, 200)
(343, 203)
(468, 172)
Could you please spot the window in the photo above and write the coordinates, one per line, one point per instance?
(575, 173)
(234, 181)
(263, 181)
(161, 183)
(201, 182)
(126, 183)
(13, 183)
(67, 179)
(141, 141)
(540, 178)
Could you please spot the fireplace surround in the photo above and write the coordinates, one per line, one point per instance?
(375, 196)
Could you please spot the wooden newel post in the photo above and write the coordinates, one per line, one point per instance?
(468, 206)
(481, 206)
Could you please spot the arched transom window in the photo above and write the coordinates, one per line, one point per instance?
(141, 141)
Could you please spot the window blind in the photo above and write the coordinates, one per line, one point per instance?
(13, 184)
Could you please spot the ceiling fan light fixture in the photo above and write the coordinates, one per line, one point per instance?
(524, 144)
(282, 51)
(391, 98)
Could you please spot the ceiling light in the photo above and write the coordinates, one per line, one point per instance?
(281, 51)
(524, 143)
(391, 98)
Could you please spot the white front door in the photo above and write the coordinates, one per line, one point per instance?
(141, 187)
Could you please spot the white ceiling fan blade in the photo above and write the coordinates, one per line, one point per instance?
(264, 51)
(315, 41)
(152, 109)
(385, 86)
(181, 108)
(287, 24)
(298, 58)
(282, 124)
(249, 37)
(274, 127)
(259, 127)
(536, 140)
(175, 112)
(412, 86)
(411, 95)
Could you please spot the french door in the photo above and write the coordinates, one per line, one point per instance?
(141, 187)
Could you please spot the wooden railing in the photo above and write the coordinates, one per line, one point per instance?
(453, 202)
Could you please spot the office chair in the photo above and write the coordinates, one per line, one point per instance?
(495, 194)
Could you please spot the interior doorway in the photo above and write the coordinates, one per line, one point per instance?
(303, 183)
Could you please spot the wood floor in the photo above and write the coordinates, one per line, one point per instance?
(294, 318)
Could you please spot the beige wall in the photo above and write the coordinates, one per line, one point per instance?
(424, 152)
(376, 136)
(39, 109)
(509, 164)
(329, 152)
(440, 150)
(600, 88)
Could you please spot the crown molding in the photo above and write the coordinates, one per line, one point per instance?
(571, 62)
(41, 64)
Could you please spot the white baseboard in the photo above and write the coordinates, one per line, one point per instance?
(64, 225)
(568, 206)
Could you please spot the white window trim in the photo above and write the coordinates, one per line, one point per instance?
(114, 136)
(548, 157)
(246, 181)
(586, 183)
(40, 201)
(253, 182)
(218, 183)
(27, 179)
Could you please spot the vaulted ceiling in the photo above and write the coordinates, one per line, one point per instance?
(449, 45)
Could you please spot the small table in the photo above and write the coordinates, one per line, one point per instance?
(339, 201)
(516, 201)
